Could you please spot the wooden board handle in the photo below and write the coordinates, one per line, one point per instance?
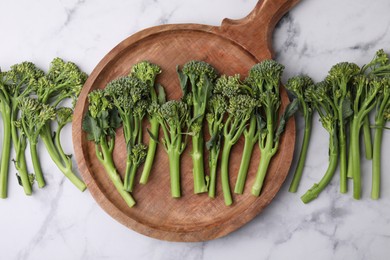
(254, 32)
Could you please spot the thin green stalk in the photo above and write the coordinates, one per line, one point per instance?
(355, 151)
(225, 172)
(19, 143)
(154, 129)
(37, 165)
(317, 188)
(65, 168)
(213, 157)
(127, 181)
(302, 156)
(376, 160)
(197, 159)
(342, 153)
(367, 138)
(250, 141)
(108, 163)
(264, 162)
(174, 171)
(6, 153)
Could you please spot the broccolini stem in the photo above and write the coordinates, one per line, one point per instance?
(343, 157)
(65, 168)
(213, 159)
(355, 153)
(302, 156)
(376, 159)
(349, 169)
(367, 138)
(174, 171)
(250, 141)
(20, 162)
(128, 183)
(225, 172)
(317, 188)
(264, 162)
(133, 172)
(37, 165)
(109, 165)
(197, 159)
(154, 128)
(6, 152)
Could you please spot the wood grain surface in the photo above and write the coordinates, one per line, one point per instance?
(234, 47)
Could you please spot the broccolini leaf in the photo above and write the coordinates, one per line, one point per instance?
(288, 112)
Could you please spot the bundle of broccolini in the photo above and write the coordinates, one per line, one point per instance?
(30, 101)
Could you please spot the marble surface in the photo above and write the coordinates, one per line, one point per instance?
(61, 223)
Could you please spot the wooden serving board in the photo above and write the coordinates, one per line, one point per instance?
(234, 47)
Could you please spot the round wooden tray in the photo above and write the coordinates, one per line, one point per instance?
(234, 47)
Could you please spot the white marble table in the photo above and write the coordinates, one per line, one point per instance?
(61, 223)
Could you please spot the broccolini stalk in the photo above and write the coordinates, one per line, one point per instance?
(63, 81)
(147, 73)
(320, 96)
(265, 77)
(130, 96)
(100, 123)
(364, 94)
(381, 117)
(34, 116)
(216, 111)
(196, 80)
(379, 66)
(340, 77)
(18, 83)
(5, 111)
(173, 117)
(297, 86)
(240, 108)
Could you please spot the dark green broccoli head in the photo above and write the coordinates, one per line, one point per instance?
(128, 94)
(174, 113)
(98, 102)
(66, 75)
(341, 74)
(217, 107)
(34, 115)
(197, 69)
(64, 115)
(21, 77)
(146, 72)
(265, 76)
(138, 154)
(230, 86)
(241, 106)
(298, 84)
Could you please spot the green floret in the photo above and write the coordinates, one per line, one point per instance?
(66, 80)
(216, 110)
(173, 117)
(197, 80)
(340, 78)
(379, 65)
(130, 96)
(239, 109)
(146, 72)
(264, 79)
(320, 95)
(100, 122)
(34, 116)
(297, 86)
